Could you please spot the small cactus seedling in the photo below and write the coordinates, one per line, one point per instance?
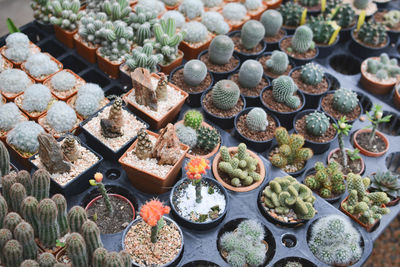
(195, 169)
(144, 146)
(272, 21)
(312, 74)
(97, 181)
(152, 213)
(376, 117)
(283, 89)
(302, 40)
(317, 123)
(256, 120)
(342, 128)
(225, 94)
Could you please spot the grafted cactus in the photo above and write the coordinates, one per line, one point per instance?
(283, 89)
(65, 14)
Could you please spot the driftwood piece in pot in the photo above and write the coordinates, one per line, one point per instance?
(51, 155)
(167, 146)
(144, 92)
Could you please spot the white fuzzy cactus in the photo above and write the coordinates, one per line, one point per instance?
(234, 12)
(61, 117)
(17, 39)
(92, 89)
(10, 115)
(40, 65)
(215, 22)
(24, 136)
(63, 81)
(14, 81)
(17, 47)
(177, 16)
(36, 98)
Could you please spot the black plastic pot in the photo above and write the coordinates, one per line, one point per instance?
(271, 46)
(382, 4)
(47, 27)
(293, 174)
(258, 146)
(345, 33)
(196, 225)
(289, 31)
(79, 183)
(317, 148)
(322, 109)
(99, 146)
(285, 118)
(223, 122)
(326, 50)
(200, 263)
(335, 84)
(245, 56)
(312, 100)
(221, 75)
(194, 98)
(363, 51)
(176, 260)
(302, 261)
(299, 61)
(268, 54)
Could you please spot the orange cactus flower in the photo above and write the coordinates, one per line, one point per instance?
(98, 177)
(196, 167)
(152, 212)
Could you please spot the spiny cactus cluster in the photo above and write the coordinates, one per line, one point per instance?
(345, 16)
(384, 67)
(387, 182)
(244, 245)
(24, 136)
(65, 14)
(10, 115)
(116, 40)
(241, 167)
(302, 40)
(215, 22)
(36, 98)
(225, 94)
(291, 13)
(366, 206)
(196, 32)
(327, 181)
(344, 100)
(312, 74)
(251, 34)
(41, 11)
(317, 123)
(61, 117)
(335, 241)
(40, 65)
(142, 18)
(322, 29)
(17, 47)
(143, 57)
(284, 194)
(283, 89)
(192, 8)
(291, 151)
(250, 73)
(90, 26)
(278, 63)
(194, 72)
(117, 10)
(234, 12)
(272, 21)
(391, 18)
(372, 33)
(14, 81)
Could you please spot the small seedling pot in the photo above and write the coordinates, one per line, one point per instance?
(366, 152)
(84, 50)
(373, 86)
(221, 75)
(245, 56)
(326, 50)
(171, 66)
(328, 158)
(111, 68)
(64, 36)
(272, 4)
(363, 51)
(299, 61)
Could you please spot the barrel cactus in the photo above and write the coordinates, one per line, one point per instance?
(61, 117)
(345, 16)
(283, 89)
(234, 12)
(215, 22)
(192, 8)
(11, 221)
(344, 100)
(193, 119)
(317, 123)
(195, 31)
(194, 72)
(322, 29)
(207, 138)
(221, 49)
(250, 73)
(63, 81)
(14, 81)
(10, 115)
(36, 98)
(24, 136)
(312, 74)
(272, 21)
(372, 33)
(302, 40)
(251, 34)
(278, 63)
(17, 194)
(225, 94)
(256, 120)
(76, 250)
(49, 231)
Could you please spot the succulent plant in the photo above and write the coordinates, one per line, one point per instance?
(207, 139)
(4, 164)
(278, 63)
(30, 263)
(117, 37)
(46, 260)
(302, 40)
(375, 116)
(256, 120)
(98, 257)
(387, 182)
(251, 34)
(250, 73)
(5, 236)
(372, 33)
(36, 98)
(272, 21)
(285, 193)
(283, 89)
(322, 29)
(125, 258)
(192, 8)
(61, 117)
(317, 123)
(384, 67)
(143, 57)
(291, 13)
(23, 177)
(91, 234)
(90, 27)
(196, 32)
(17, 39)
(234, 12)
(49, 231)
(253, 4)
(221, 49)
(177, 16)
(25, 235)
(312, 74)
(88, 99)
(76, 218)
(152, 213)
(345, 16)
(63, 81)
(13, 256)
(65, 14)
(391, 18)
(225, 94)
(187, 135)
(24, 136)
(76, 250)
(215, 22)
(3, 212)
(40, 184)
(144, 145)
(293, 264)
(170, 3)
(10, 115)
(7, 181)
(17, 194)
(212, 3)
(193, 119)
(344, 100)
(309, 3)
(29, 213)
(93, 6)
(151, 6)
(62, 220)
(14, 81)
(194, 72)
(17, 47)
(11, 221)
(40, 64)
(361, 4)
(92, 89)
(117, 10)
(41, 10)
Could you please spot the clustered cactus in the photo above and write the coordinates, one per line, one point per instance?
(117, 37)
(65, 13)
(215, 22)
(272, 21)
(278, 63)
(36, 98)
(40, 65)
(312, 74)
(14, 81)
(24, 137)
(372, 33)
(283, 89)
(90, 27)
(17, 47)
(192, 8)
(61, 117)
(63, 81)
(194, 72)
(387, 182)
(143, 57)
(309, 3)
(241, 167)
(88, 99)
(391, 18)
(41, 11)
(384, 67)
(117, 10)
(225, 94)
(284, 194)
(291, 13)
(250, 73)
(317, 123)
(344, 100)
(345, 16)
(234, 12)
(196, 32)
(322, 29)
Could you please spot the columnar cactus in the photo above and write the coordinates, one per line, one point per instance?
(278, 63)
(192, 8)
(40, 184)
(302, 40)
(5, 236)
(272, 21)
(12, 251)
(76, 218)
(91, 235)
(144, 146)
(61, 117)
(23, 177)
(345, 16)
(7, 181)
(250, 73)
(11, 221)
(113, 260)
(98, 257)
(291, 13)
(10, 115)
(25, 235)
(361, 4)
(256, 120)
(384, 67)
(215, 22)
(251, 34)
(29, 213)
(46, 260)
(317, 123)
(234, 12)
(221, 49)
(76, 250)
(372, 33)
(143, 57)
(196, 32)
(117, 10)
(125, 258)
(24, 136)
(344, 100)
(283, 89)
(3, 210)
(207, 138)
(17, 195)
(312, 74)
(49, 231)
(225, 94)
(65, 14)
(194, 72)
(36, 98)
(193, 119)
(41, 10)
(4, 160)
(62, 220)
(90, 26)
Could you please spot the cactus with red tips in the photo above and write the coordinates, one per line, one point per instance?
(76, 250)
(29, 213)
(48, 227)
(62, 220)
(46, 260)
(25, 235)
(6, 182)
(23, 177)
(98, 257)
(17, 195)
(5, 236)
(112, 260)
(76, 218)
(40, 184)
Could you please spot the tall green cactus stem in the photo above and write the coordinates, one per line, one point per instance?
(376, 118)
(40, 184)
(112, 260)
(342, 129)
(98, 257)
(62, 220)
(6, 182)
(302, 40)
(317, 123)
(76, 250)
(251, 34)
(12, 252)
(221, 50)
(193, 119)
(344, 100)
(97, 181)
(46, 260)
(49, 231)
(278, 63)
(29, 213)
(76, 218)
(225, 94)
(256, 120)
(91, 235)
(361, 4)
(3, 210)
(194, 72)
(4, 160)
(5, 236)
(30, 263)
(125, 258)
(250, 73)
(117, 10)
(17, 195)
(25, 235)
(312, 74)
(272, 21)
(283, 89)
(291, 13)
(23, 177)
(11, 221)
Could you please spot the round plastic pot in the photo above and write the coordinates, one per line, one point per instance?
(302, 261)
(245, 56)
(322, 108)
(326, 50)
(312, 100)
(363, 51)
(331, 200)
(335, 83)
(169, 67)
(317, 148)
(108, 67)
(271, 46)
(328, 158)
(394, 36)
(269, 54)
(366, 152)
(221, 75)
(258, 146)
(85, 51)
(242, 188)
(285, 118)
(64, 36)
(396, 95)
(345, 33)
(176, 260)
(198, 225)
(374, 87)
(299, 61)
(194, 98)
(223, 122)
(294, 174)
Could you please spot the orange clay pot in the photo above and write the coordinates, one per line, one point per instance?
(191, 51)
(84, 50)
(366, 152)
(168, 68)
(42, 78)
(10, 97)
(396, 95)
(108, 67)
(70, 93)
(64, 36)
(34, 49)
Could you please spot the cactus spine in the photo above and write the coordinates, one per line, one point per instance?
(12, 252)
(29, 213)
(62, 220)
(48, 227)
(283, 88)
(91, 234)
(40, 184)
(25, 235)
(76, 218)
(76, 250)
(17, 195)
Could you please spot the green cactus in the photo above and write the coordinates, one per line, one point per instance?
(5, 236)
(40, 184)
(272, 21)
(98, 257)
(62, 220)
(4, 160)
(49, 231)
(250, 73)
(207, 139)
(322, 29)
(309, 3)
(344, 100)
(391, 18)
(193, 119)
(117, 38)
(65, 14)
(283, 89)
(76, 218)
(286, 193)
(344, 15)
(125, 258)
(46, 260)
(25, 235)
(361, 4)
(317, 123)
(221, 50)
(143, 57)
(11, 221)
(17, 195)
(6, 182)
(375, 116)
(251, 34)
(302, 40)
(194, 72)
(29, 213)
(225, 94)
(372, 33)
(23, 177)
(112, 260)
(256, 120)
(291, 13)
(387, 182)
(293, 264)
(278, 63)
(312, 74)
(41, 10)
(76, 250)
(91, 235)
(3, 210)
(30, 263)
(12, 252)
(117, 10)
(383, 67)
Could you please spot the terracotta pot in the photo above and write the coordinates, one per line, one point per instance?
(34, 116)
(157, 123)
(191, 51)
(238, 26)
(172, 7)
(148, 182)
(10, 97)
(58, 94)
(3, 134)
(34, 49)
(6, 64)
(337, 149)
(168, 68)
(272, 4)
(64, 36)
(53, 251)
(396, 95)
(256, 14)
(85, 51)
(21, 157)
(368, 227)
(108, 67)
(209, 155)
(42, 122)
(233, 188)
(60, 254)
(42, 79)
(375, 87)
(366, 152)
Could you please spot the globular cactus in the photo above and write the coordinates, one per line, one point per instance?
(344, 100)
(143, 57)
(312, 74)
(221, 49)
(65, 14)
(195, 31)
(36, 98)
(76, 218)
(63, 81)
(24, 136)
(250, 73)
(225, 94)
(98, 257)
(113, 260)
(5, 236)
(46, 260)
(251, 34)
(11, 221)
(17, 47)
(194, 72)
(76, 250)
(25, 235)
(193, 119)
(14, 81)
(30, 263)
(345, 16)
(317, 123)
(322, 29)
(309, 3)
(61, 117)
(92, 89)
(17, 195)
(12, 252)
(372, 33)
(191, 8)
(29, 213)
(383, 67)
(283, 89)
(4, 160)
(40, 65)
(10, 115)
(91, 234)
(23, 177)
(207, 139)
(62, 220)
(40, 184)
(176, 15)
(278, 63)
(253, 5)
(291, 13)
(256, 120)
(187, 135)
(302, 40)
(3, 210)
(215, 22)
(361, 4)
(234, 12)
(272, 21)
(7, 181)
(86, 105)
(49, 231)
(212, 3)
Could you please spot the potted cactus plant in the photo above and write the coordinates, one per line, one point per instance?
(255, 8)
(380, 74)
(293, 15)
(192, 9)
(391, 19)
(345, 17)
(5, 64)
(172, 4)
(387, 182)
(272, 21)
(291, 212)
(196, 39)
(41, 13)
(64, 84)
(153, 229)
(235, 15)
(396, 95)
(212, 5)
(275, 64)
(238, 178)
(13, 82)
(313, 6)
(368, 6)
(40, 66)
(10, 116)
(215, 23)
